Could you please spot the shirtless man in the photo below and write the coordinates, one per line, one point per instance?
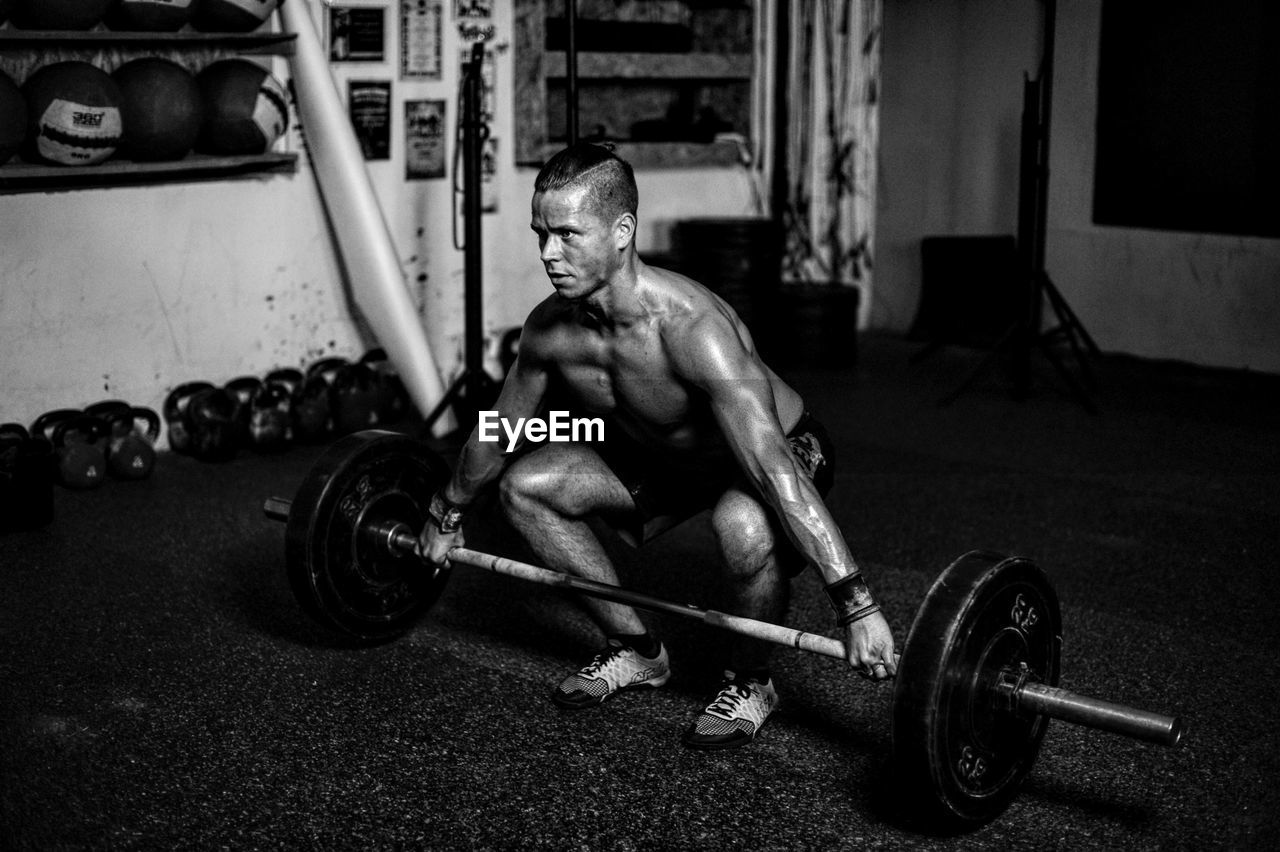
(694, 420)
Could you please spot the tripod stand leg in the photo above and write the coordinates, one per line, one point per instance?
(1069, 326)
(1077, 390)
(1068, 316)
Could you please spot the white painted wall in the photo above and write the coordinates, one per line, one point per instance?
(952, 73)
(127, 292)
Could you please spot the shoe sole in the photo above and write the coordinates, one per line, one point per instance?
(652, 683)
(718, 745)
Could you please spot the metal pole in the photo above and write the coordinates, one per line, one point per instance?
(571, 71)
(472, 152)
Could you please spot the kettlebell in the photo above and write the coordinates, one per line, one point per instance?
(131, 453)
(242, 390)
(175, 411)
(353, 398)
(270, 416)
(78, 442)
(12, 433)
(290, 377)
(393, 400)
(26, 479)
(209, 418)
(45, 425)
(311, 412)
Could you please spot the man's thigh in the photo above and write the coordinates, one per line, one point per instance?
(570, 478)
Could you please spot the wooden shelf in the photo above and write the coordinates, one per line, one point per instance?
(19, 176)
(653, 66)
(271, 43)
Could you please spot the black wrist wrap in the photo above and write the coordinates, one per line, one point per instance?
(851, 599)
(446, 514)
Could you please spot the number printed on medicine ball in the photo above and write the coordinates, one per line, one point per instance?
(73, 114)
(231, 16)
(246, 109)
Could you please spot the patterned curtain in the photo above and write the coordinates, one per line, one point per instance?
(833, 85)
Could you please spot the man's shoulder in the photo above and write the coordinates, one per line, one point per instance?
(545, 327)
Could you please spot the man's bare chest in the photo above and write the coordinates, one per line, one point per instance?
(633, 379)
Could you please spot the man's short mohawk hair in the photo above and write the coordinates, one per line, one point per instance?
(608, 177)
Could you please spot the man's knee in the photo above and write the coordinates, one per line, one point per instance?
(526, 486)
(746, 537)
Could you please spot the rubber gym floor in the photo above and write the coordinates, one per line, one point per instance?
(162, 689)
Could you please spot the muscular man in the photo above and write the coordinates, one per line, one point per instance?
(694, 420)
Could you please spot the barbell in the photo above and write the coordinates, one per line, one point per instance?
(977, 680)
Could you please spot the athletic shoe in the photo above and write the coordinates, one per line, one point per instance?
(735, 716)
(615, 668)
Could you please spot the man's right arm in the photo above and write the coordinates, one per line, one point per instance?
(480, 463)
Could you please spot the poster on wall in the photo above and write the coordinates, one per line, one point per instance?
(369, 105)
(421, 40)
(357, 34)
(463, 9)
(424, 139)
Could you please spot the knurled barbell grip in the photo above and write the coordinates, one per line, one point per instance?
(763, 630)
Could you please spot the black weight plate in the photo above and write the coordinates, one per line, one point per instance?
(341, 573)
(961, 751)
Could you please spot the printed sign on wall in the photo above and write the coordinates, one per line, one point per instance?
(424, 139)
(421, 39)
(357, 34)
(369, 104)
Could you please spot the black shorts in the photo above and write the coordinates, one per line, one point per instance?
(667, 491)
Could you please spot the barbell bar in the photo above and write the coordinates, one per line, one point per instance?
(1024, 696)
(977, 678)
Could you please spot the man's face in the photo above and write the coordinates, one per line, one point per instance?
(577, 247)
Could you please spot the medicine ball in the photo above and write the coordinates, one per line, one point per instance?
(162, 109)
(231, 16)
(246, 109)
(73, 114)
(150, 15)
(59, 14)
(13, 118)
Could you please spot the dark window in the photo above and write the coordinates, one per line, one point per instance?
(1189, 116)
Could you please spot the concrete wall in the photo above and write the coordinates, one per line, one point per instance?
(126, 292)
(950, 114)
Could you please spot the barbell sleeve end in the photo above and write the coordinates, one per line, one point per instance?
(1097, 713)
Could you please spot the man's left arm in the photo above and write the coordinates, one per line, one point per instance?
(741, 399)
